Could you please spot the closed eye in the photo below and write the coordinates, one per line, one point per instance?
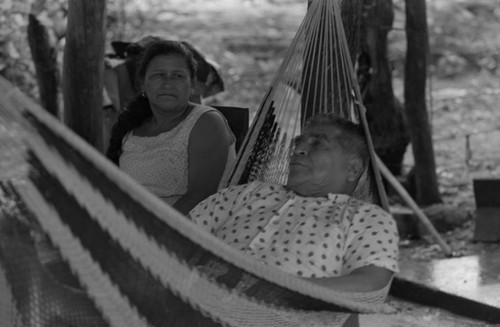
(321, 144)
(313, 139)
(298, 139)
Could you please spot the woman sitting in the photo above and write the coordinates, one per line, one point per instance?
(180, 151)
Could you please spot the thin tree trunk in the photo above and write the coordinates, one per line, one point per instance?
(351, 18)
(416, 111)
(45, 60)
(83, 69)
(384, 112)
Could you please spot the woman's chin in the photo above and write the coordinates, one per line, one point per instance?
(295, 182)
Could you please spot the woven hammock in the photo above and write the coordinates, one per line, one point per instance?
(316, 76)
(82, 244)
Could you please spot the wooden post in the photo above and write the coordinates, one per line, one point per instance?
(416, 111)
(384, 112)
(416, 209)
(83, 69)
(45, 60)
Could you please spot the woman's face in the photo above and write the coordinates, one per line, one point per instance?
(167, 82)
(318, 165)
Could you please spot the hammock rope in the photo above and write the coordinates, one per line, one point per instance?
(315, 76)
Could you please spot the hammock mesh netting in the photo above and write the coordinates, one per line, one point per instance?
(315, 76)
(82, 244)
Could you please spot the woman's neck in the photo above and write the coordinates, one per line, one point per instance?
(161, 116)
(162, 121)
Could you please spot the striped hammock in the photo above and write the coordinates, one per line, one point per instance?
(82, 244)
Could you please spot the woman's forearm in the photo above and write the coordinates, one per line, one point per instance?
(364, 279)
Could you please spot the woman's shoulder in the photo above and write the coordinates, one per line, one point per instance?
(371, 214)
(206, 113)
(202, 108)
(209, 121)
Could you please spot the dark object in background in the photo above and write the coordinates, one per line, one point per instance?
(44, 57)
(238, 120)
(487, 196)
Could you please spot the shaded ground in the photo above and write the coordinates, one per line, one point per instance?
(406, 314)
(466, 132)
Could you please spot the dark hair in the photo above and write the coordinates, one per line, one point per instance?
(165, 47)
(138, 110)
(351, 136)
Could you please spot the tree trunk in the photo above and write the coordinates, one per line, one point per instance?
(351, 19)
(384, 111)
(416, 111)
(83, 69)
(45, 60)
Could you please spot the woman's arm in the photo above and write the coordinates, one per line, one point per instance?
(207, 156)
(365, 279)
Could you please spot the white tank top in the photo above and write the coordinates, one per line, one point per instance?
(160, 163)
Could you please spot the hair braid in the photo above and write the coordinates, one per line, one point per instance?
(137, 111)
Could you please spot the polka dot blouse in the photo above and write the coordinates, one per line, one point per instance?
(304, 236)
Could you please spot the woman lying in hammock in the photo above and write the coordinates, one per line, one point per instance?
(312, 227)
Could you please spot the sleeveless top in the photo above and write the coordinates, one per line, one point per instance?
(160, 163)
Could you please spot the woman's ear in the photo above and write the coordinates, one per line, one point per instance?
(354, 169)
(196, 91)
